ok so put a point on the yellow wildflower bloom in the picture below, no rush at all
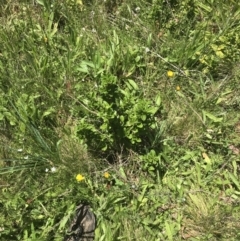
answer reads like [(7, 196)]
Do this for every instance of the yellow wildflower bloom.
[(80, 177), (106, 175), (178, 88), (170, 74)]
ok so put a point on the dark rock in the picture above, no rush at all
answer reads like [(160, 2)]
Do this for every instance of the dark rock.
[(82, 226)]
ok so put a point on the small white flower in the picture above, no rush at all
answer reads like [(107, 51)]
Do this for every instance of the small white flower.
[(137, 9), (20, 150), (147, 50), (94, 30), (26, 157), (83, 29), (53, 169), (210, 130), (46, 170)]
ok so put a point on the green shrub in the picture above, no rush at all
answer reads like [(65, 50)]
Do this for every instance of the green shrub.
[(117, 117)]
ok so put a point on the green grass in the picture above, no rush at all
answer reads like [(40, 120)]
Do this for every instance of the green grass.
[(84, 89)]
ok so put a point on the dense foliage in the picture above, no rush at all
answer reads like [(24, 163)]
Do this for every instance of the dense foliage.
[(130, 106)]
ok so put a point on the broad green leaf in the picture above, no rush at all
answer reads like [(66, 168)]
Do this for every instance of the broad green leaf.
[(124, 93), (234, 180), (153, 110), (133, 84), (122, 118), (158, 100), (206, 158), (220, 54), (48, 112), (1, 116), (169, 231), (138, 58), (84, 66), (122, 172), (83, 69), (219, 100), (143, 117)]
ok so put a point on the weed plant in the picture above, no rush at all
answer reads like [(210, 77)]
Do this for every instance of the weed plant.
[(130, 106)]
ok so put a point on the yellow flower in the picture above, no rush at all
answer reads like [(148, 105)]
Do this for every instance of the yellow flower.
[(178, 88), (80, 177), (170, 74), (106, 175), (45, 39)]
